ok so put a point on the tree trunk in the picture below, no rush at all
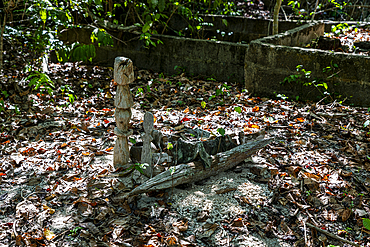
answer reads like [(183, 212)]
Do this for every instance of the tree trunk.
[(275, 29), (2, 42)]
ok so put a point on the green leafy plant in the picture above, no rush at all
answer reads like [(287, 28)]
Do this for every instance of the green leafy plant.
[(75, 230), (340, 28), (16, 110), (221, 90), (76, 52), (169, 146), (238, 109), (139, 91), (5, 93), (132, 140), (146, 37), (366, 223), (100, 36), (172, 170), (67, 89), (2, 105), (41, 81), (221, 131), (179, 69), (71, 98), (139, 167), (303, 77), (296, 7)]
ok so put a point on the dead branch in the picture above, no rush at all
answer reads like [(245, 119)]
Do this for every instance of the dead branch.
[(195, 171), (332, 235)]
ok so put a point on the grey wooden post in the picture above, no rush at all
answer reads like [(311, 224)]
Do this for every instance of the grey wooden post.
[(146, 153), (123, 76)]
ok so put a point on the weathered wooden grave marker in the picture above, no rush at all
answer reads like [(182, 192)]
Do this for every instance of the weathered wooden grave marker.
[(123, 76), (146, 153)]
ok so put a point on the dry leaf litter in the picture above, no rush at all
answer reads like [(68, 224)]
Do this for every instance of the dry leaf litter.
[(59, 188)]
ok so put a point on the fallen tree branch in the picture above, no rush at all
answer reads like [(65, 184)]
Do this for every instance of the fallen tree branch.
[(332, 235), (111, 26), (195, 171)]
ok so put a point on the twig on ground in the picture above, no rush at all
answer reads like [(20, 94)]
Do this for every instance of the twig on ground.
[(332, 235), (14, 226), (60, 234)]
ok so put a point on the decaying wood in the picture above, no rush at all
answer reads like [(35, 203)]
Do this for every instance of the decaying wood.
[(123, 76), (192, 172), (146, 153)]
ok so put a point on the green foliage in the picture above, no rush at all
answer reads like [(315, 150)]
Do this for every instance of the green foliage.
[(140, 167), (221, 90), (67, 89), (238, 109), (40, 81), (5, 93), (76, 52), (100, 36), (366, 223), (71, 98), (2, 105), (132, 140), (221, 131), (296, 7), (172, 170), (179, 69), (48, 18), (338, 5), (303, 77), (139, 91), (340, 28), (169, 146), (75, 230)]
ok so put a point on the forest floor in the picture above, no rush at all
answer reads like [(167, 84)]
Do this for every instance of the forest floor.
[(59, 186)]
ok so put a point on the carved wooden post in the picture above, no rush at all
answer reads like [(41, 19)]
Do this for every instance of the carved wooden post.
[(123, 76), (146, 153)]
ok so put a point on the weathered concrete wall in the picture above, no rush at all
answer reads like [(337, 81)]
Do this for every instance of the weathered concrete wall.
[(218, 59), (267, 64), (329, 24), (261, 65), (221, 60), (298, 36)]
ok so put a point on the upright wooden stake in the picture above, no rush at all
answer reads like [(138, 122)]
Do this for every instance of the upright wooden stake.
[(123, 76), (146, 153)]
